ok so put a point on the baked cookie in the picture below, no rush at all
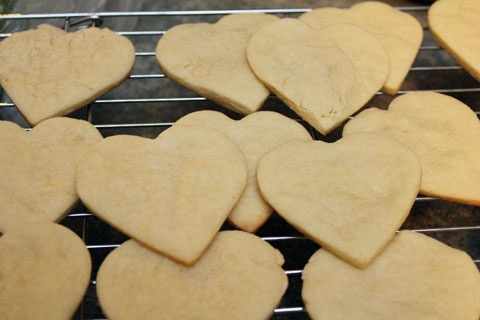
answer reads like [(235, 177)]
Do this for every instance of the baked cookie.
[(322, 74), (399, 32), (350, 196), (255, 134), (48, 72), (454, 24), (172, 193), (45, 271), (416, 277), (210, 60), (444, 132), (38, 180), (239, 277)]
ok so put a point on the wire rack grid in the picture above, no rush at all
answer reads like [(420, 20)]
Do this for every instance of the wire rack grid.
[(148, 103)]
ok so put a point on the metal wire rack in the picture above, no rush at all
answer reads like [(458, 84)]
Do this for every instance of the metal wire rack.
[(148, 103)]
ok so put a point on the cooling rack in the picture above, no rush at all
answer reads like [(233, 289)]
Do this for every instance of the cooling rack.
[(148, 103)]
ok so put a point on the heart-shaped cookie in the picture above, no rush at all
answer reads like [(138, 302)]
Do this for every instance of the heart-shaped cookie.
[(48, 72), (38, 180), (324, 75), (45, 271), (416, 278), (454, 24), (444, 132), (210, 59), (399, 33), (172, 193), (255, 134), (239, 277), (350, 196)]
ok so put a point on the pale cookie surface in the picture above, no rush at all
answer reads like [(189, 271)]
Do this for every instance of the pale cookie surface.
[(399, 33), (45, 271), (255, 134), (415, 278), (38, 180), (323, 74), (443, 131), (210, 59), (172, 193), (48, 72), (240, 277), (455, 24), (350, 196)]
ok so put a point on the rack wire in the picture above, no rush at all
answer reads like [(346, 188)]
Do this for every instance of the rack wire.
[(148, 103)]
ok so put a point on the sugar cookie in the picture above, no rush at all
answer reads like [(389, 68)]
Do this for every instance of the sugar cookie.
[(399, 33), (172, 193), (48, 72), (45, 271), (323, 74), (350, 196), (239, 277), (38, 180), (454, 24), (443, 131), (416, 277), (210, 59)]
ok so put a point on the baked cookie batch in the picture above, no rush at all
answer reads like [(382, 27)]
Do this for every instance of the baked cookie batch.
[(172, 194)]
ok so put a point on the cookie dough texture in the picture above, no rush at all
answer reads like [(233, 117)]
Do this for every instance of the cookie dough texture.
[(38, 179), (416, 277), (172, 193), (45, 271), (324, 75), (444, 132), (255, 135), (48, 72), (239, 277), (399, 33), (350, 196), (455, 25), (210, 59)]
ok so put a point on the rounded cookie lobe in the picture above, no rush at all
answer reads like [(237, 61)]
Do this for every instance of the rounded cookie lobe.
[(238, 277)]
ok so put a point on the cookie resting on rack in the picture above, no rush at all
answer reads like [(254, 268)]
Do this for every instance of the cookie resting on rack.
[(254, 134), (350, 196), (415, 278), (454, 24), (240, 276), (172, 193), (324, 75), (45, 271), (399, 32), (48, 72), (443, 131), (210, 59), (38, 180)]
